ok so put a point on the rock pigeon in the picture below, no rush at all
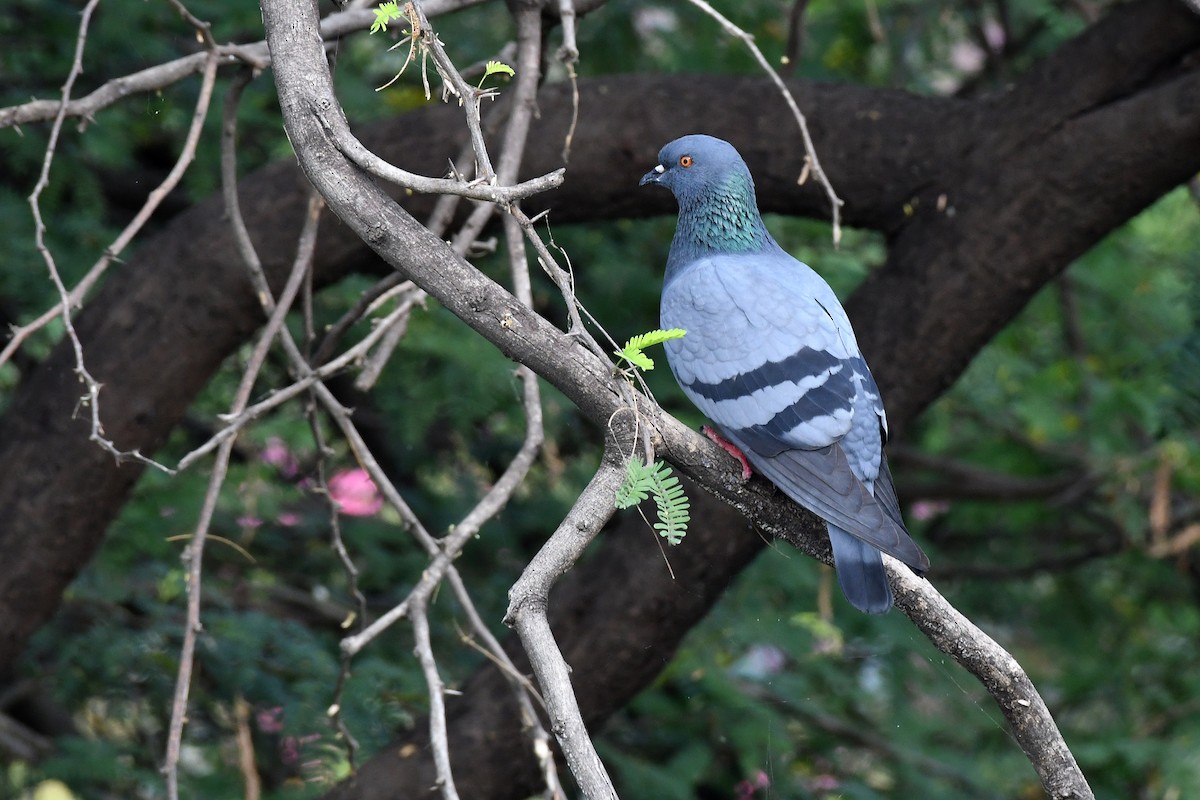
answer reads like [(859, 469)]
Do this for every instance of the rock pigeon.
[(770, 358)]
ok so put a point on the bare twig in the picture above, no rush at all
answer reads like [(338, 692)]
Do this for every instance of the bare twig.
[(359, 616), (235, 422), (389, 286), (473, 190), (569, 137), (568, 53), (437, 701), (74, 298), (812, 162), (374, 363), (68, 300), (203, 29), (1001, 675), (43, 181), (466, 529), (468, 95), (795, 37), (961, 479), (874, 23), (147, 80), (256, 55), (523, 690), (245, 750), (565, 283), (528, 19), (528, 600), (194, 552)]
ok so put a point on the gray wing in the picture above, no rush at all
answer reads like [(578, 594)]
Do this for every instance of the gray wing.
[(822, 481), (770, 358), (768, 348), (885, 492)]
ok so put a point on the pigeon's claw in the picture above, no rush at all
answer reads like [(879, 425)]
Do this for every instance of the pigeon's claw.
[(729, 447)]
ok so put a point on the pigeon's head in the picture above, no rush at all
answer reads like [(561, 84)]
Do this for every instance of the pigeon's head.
[(697, 165)]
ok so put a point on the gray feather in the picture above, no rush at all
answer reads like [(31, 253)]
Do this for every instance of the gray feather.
[(770, 357), (860, 572)]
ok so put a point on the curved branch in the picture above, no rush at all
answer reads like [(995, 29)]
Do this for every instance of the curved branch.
[(1004, 678), (305, 87), (163, 322), (526, 614), (160, 76)]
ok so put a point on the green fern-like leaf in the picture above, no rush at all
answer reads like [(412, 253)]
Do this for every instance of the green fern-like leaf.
[(651, 338), (673, 505), (642, 481), (498, 68), (385, 13), (636, 487), (632, 351)]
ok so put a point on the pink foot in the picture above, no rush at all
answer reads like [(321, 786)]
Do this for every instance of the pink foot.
[(729, 447)]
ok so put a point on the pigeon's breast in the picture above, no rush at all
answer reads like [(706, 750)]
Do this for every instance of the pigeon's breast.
[(759, 353)]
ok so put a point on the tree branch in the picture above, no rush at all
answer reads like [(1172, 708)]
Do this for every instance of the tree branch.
[(162, 323), (305, 87), (160, 76), (526, 614), (1005, 680)]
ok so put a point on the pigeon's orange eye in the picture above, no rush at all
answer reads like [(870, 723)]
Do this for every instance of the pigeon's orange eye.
[(686, 161)]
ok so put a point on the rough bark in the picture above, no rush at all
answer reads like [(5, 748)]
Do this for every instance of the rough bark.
[(1034, 176), (491, 755), (482, 306)]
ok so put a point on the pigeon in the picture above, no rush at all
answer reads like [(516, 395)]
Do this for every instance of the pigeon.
[(770, 358)]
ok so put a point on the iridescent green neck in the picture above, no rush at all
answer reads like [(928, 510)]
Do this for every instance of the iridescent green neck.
[(722, 221)]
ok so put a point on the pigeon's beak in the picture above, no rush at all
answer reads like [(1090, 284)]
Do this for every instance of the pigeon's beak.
[(653, 176)]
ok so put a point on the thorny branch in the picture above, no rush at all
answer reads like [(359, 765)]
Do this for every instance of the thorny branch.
[(812, 163), (359, 615), (257, 57), (527, 612), (69, 300), (194, 553), (353, 19), (531, 340)]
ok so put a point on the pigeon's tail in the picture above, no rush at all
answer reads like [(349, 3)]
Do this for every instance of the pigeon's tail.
[(860, 572)]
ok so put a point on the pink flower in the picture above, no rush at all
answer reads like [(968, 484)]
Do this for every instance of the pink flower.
[(249, 521), (276, 454), (925, 510), (751, 786), (824, 783), (270, 720), (288, 519), (760, 662), (355, 493)]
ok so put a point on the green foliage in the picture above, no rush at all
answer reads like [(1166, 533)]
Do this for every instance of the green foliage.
[(764, 682), (385, 13), (496, 68), (632, 351), (646, 480), (654, 480)]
